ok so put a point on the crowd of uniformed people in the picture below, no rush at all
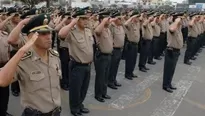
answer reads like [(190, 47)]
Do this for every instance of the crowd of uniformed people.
[(45, 50)]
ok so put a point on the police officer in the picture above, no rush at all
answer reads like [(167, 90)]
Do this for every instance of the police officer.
[(64, 52), (163, 33), (38, 71), (132, 26), (4, 58), (192, 36), (154, 49), (147, 35), (118, 35), (175, 43), (8, 28), (103, 58), (80, 42)]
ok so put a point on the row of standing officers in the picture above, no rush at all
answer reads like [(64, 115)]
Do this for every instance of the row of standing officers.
[(104, 39)]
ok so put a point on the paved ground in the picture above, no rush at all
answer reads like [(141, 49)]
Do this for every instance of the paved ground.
[(143, 96)]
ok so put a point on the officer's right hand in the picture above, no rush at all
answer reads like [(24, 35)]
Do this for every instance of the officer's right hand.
[(75, 20), (178, 20), (10, 17), (106, 19), (29, 43), (25, 21)]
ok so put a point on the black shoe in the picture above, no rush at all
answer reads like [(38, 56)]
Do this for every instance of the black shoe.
[(76, 114), (173, 88), (193, 58), (196, 54), (84, 110), (158, 58), (117, 84), (112, 86), (106, 97), (143, 70), (146, 68), (151, 62), (100, 99), (167, 89), (15, 93), (134, 76), (7, 114), (188, 63), (129, 77), (162, 54), (65, 87)]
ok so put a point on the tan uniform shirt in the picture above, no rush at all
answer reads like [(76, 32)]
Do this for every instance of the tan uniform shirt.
[(63, 43), (4, 47), (163, 26), (198, 28), (80, 45), (175, 39), (105, 41), (147, 32), (118, 34), (133, 32), (156, 30), (39, 81), (92, 25), (9, 27), (192, 31)]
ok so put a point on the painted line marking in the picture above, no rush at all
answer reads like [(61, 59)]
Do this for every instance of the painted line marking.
[(171, 103), (134, 92)]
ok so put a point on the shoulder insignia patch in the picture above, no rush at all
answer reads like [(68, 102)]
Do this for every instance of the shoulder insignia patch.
[(27, 55), (54, 52)]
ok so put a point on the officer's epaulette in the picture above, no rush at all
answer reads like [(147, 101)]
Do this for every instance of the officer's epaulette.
[(54, 52), (27, 55)]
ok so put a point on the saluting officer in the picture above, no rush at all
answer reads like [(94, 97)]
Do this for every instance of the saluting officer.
[(147, 35), (192, 36), (80, 42), (103, 58), (175, 43), (38, 71), (163, 32), (154, 47), (64, 52), (4, 58), (8, 28), (132, 26), (118, 35)]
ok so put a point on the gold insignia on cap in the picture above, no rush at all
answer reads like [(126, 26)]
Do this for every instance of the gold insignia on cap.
[(45, 21)]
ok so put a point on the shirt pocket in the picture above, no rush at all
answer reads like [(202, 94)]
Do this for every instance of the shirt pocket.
[(36, 81), (81, 43)]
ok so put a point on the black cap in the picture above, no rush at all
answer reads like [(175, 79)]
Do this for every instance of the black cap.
[(135, 12), (150, 13), (30, 12), (11, 11), (104, 13), (38, 24), (80, 13), (115, 14)]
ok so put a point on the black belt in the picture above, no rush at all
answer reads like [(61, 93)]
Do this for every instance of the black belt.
[(155, 37), (79, 63), (134, 43), (105, 54), (173, 49), (192, 37), (116, 48), (32, 112)]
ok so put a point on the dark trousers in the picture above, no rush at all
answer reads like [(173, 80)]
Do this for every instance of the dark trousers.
[(131, 58), (79, 82), (171, 58), (163, 42), (153, 51), (190, 49), (185, 33), (144, 53), (4, 98), (103, 62), (115, 61), (15, 85), (64, 57)]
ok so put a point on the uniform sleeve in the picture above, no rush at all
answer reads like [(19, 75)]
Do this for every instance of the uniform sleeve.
[(68, 37)]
